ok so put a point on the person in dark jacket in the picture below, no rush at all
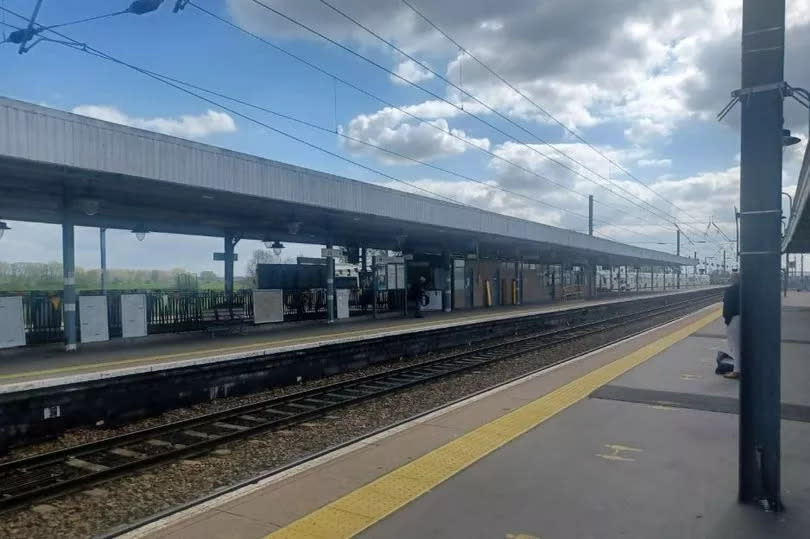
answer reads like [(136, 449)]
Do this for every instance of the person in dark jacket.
[(420, 295), (731, 316)]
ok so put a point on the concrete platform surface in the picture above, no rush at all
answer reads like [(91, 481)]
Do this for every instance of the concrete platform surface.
[(29, 367), (555, 455)]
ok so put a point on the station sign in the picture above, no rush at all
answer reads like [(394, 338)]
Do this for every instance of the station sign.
[(393, 259), (334, 253), (221, 256)]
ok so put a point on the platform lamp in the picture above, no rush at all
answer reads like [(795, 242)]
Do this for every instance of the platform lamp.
[(140, 232), (3, 228), (276, 246)]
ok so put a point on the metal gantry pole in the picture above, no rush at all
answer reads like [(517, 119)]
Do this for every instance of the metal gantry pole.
[(374, 286), (330, 285), (763, 40), (678, 252), (69, 292), (102, 243), (448, 282), (229, 245)]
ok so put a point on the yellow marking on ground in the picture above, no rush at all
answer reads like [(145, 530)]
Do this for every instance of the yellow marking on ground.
[(202, 352), (520, 536), (360, 509), (689, 376), (616, 452)]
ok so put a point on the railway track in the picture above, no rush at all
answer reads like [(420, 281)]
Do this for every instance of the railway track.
[(74, 468)]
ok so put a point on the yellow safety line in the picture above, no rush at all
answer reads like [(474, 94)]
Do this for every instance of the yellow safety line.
[(254, 346), (358, 510)]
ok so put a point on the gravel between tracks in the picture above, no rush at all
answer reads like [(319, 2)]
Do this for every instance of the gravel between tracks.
[(129, 499)]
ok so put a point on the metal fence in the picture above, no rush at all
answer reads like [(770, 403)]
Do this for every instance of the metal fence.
[(172, 311)]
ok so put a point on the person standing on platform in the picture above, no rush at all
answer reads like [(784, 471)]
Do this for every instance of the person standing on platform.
[(420, 294), (731, 316)]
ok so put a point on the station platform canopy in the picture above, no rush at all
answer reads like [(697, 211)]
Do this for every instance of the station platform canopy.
[(114, 176), (797, 234)]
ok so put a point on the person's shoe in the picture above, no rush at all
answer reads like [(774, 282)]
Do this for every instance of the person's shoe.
[(732, 375)]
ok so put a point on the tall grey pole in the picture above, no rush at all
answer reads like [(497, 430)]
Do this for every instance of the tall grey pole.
[(763, 41), (678, 252), (229, 245), (591, 267), (787, 273), (69, 293), (102, 243), (330, 285), (374, 286), (448, 282)]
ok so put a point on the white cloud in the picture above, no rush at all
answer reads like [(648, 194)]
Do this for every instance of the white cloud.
[(411, 71), (389, 129), (649, 66), (185, 126), (657, 163)]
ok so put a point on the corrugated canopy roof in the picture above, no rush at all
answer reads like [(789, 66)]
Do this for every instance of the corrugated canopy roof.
[(51, 160)]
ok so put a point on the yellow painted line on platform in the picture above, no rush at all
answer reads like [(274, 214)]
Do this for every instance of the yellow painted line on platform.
[(360, 509), (257, 346)]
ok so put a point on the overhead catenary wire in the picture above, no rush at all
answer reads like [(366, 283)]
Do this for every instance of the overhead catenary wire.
[(176, 83), (474, 98), (391, 152), (76, 45), (385, 102), (536, 105), (439, 97)]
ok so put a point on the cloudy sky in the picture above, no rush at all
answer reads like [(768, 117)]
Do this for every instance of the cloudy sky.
[(622, 96)]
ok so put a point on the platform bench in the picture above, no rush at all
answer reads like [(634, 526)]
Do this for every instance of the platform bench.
[(225, 319)]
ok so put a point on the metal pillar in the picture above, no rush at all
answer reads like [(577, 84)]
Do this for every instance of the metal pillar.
[(405, 290), (69, 293), (364, 258), (590, 215), (638, 268), (447, 296), (374, 286), (787, 273), (763, 39), (102, 243), (230, 243), (517, 284), (678, 252), (330, 286), (652, 278)]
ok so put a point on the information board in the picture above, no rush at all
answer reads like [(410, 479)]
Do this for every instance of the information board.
[(133, 315), (434, 300), (268, 306), (342, 297), (12, 326), (400, 276), (93, 317), (391, 276)]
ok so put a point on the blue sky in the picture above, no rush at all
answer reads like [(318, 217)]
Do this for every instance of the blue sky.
[(641, 84)]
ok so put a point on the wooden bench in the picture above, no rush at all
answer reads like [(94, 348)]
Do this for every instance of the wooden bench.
[(225, 319)]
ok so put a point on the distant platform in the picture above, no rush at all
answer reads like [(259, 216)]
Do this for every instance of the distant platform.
[(47, 365), (636, 440)]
